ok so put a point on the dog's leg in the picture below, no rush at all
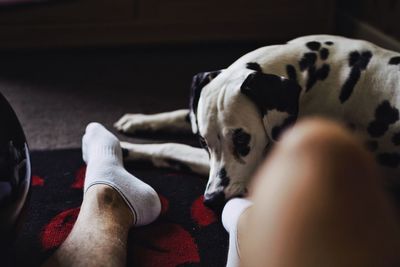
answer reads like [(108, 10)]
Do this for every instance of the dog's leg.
[(174, 121), (169, 155)]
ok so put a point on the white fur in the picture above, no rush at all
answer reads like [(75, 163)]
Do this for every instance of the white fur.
[(171, 121), (223, 108), (161, 155)]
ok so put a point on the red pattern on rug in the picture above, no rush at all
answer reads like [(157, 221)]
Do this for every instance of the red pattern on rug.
[(57, 230), (159, 244), (79, 178), (37, 181), (163, 244), (201, 214), (187, 234)]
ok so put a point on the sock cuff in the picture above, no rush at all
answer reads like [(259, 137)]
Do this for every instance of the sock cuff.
[(113, 185), (230, 217)]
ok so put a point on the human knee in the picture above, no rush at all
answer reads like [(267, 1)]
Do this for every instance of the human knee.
[(326, 139), (323, 148), (313, 132)]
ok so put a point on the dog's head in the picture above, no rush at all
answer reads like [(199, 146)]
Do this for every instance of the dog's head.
[(237, 114)]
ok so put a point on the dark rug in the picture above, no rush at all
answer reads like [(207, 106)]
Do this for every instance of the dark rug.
[(186, 234)]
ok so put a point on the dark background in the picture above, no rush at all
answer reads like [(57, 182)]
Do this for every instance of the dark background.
[(382, 14), (66, 63)]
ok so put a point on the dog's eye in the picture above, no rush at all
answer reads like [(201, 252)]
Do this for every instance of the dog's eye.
[(241, 141), (203, 142)]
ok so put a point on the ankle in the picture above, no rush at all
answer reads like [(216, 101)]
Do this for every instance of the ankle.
[(107, 202)]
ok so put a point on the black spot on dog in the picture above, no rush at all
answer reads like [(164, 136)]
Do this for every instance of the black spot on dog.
[(323, 72), (329, 43), (394, 61), (315, 46), (308, 60), (385, 115), (324, 53), (291, 72), (216, 202), (312, 78), (357, 62), (269, 92), (225, 180), (396, 139), (198, 82), (203, 143), (254, 66), (353, 58), (177, 165), (347, 88), (372, 145), (316, 74), (391, 160), (241, 140), (360, 60)]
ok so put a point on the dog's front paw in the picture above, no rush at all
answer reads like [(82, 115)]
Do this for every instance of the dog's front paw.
[(132, 123)]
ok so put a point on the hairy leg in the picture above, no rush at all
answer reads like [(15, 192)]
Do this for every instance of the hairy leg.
[(100, 234), (319, 201), (114, 200)]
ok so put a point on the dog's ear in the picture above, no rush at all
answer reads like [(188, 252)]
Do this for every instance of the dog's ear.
[(198, 82), (276, 97)]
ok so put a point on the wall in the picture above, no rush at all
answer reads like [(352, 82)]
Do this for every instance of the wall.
[(382, 14)]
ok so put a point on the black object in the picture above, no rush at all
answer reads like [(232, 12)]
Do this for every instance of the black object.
[(15, 175)]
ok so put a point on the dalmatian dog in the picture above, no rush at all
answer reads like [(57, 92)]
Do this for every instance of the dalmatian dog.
[(239, 112)]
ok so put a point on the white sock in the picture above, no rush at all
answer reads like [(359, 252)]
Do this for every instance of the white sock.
[(230, 217), (103, 155)]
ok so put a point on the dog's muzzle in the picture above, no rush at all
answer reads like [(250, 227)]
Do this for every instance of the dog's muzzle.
[(215, 201)]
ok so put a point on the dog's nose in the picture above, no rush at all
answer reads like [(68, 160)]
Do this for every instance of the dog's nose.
[(215, 201)]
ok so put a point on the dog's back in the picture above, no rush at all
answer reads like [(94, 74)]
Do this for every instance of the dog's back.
[(353, 81)]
